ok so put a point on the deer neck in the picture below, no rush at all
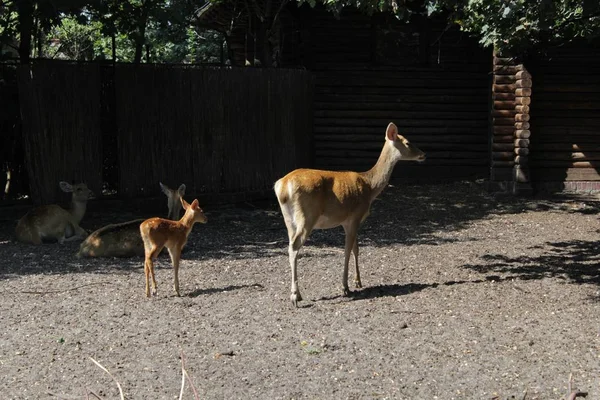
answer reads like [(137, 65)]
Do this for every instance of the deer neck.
[(379, 176), (188, 222), (78, 210)]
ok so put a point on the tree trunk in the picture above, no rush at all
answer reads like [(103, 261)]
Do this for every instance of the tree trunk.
[(25, 10), (113, 43), (140, 35)]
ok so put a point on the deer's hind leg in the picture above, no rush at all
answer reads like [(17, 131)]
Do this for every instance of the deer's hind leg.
[(150, 256), (304, 224)]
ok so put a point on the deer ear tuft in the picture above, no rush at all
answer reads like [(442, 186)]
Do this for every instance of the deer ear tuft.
[(165, 189), (391, 133), (65, 186)]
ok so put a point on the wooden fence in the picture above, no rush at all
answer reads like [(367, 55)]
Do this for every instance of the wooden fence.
[(60, 118), (430, 80), (216, 130), (565, 115)]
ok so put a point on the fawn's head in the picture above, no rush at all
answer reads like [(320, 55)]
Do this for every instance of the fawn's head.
[(194, 210), (405, 151), (173, 200), (80, 192)]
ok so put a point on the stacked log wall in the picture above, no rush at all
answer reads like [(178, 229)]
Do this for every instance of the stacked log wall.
[(511, 99), (432, 81)]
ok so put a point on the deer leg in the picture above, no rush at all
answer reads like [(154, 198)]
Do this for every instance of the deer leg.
[(175, 256), (150, 258), (350, 244), (295, 244), (147, 262), (357, 282)]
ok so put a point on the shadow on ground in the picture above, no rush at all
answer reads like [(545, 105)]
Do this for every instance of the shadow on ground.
[(403, 214), (575, 261)]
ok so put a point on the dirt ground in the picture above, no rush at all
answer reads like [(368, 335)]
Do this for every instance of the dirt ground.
[(466, 296)]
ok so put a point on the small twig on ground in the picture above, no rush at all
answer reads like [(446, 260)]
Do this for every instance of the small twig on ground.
[(183, 375), (111, 375), (62, 397), (95, 395), (572, 394), (62, 290)]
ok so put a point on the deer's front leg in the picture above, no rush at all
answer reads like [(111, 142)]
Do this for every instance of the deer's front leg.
[(351, 242), (175, 257), (357, 282)]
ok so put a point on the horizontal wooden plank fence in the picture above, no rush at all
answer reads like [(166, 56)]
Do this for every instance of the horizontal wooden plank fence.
[(431, 81), (565, 115)]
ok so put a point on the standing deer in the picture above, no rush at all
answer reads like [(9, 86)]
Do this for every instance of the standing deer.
[(54, 223), (315, 199), (124, 240), (158, 233)]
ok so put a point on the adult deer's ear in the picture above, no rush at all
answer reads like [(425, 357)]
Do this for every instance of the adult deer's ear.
[(164, 188), (391, 133), (65, 186)]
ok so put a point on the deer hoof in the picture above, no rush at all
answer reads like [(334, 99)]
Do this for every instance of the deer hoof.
[(346, 292), (295, 297), (358, 284)]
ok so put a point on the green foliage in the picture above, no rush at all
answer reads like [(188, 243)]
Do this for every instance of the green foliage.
[(520, 26), (509, 25), (73, 40)]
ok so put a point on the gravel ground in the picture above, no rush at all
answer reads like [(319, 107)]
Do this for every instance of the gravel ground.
[(466, 296)]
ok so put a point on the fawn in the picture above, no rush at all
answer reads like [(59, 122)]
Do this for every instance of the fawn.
[(54, 223), (158, 233), (315, 199), (124, 240)]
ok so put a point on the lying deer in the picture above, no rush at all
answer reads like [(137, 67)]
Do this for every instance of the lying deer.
[(173, 200), (124, 240), (314, 199), (158, 233), (54, 223)]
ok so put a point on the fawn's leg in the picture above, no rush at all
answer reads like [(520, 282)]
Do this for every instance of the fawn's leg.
[(175, 254), (151, 256)]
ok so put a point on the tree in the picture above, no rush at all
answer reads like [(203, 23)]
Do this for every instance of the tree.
[(521, 26)]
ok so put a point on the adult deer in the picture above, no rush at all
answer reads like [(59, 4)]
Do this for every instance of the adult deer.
[(54, 223), (158, 233), (124, 240), (315, 199)]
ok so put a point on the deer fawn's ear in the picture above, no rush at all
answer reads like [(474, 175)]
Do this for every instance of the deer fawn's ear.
[(181, 189), (184, 203), (65, 186), (391, 132), (195, 204)]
